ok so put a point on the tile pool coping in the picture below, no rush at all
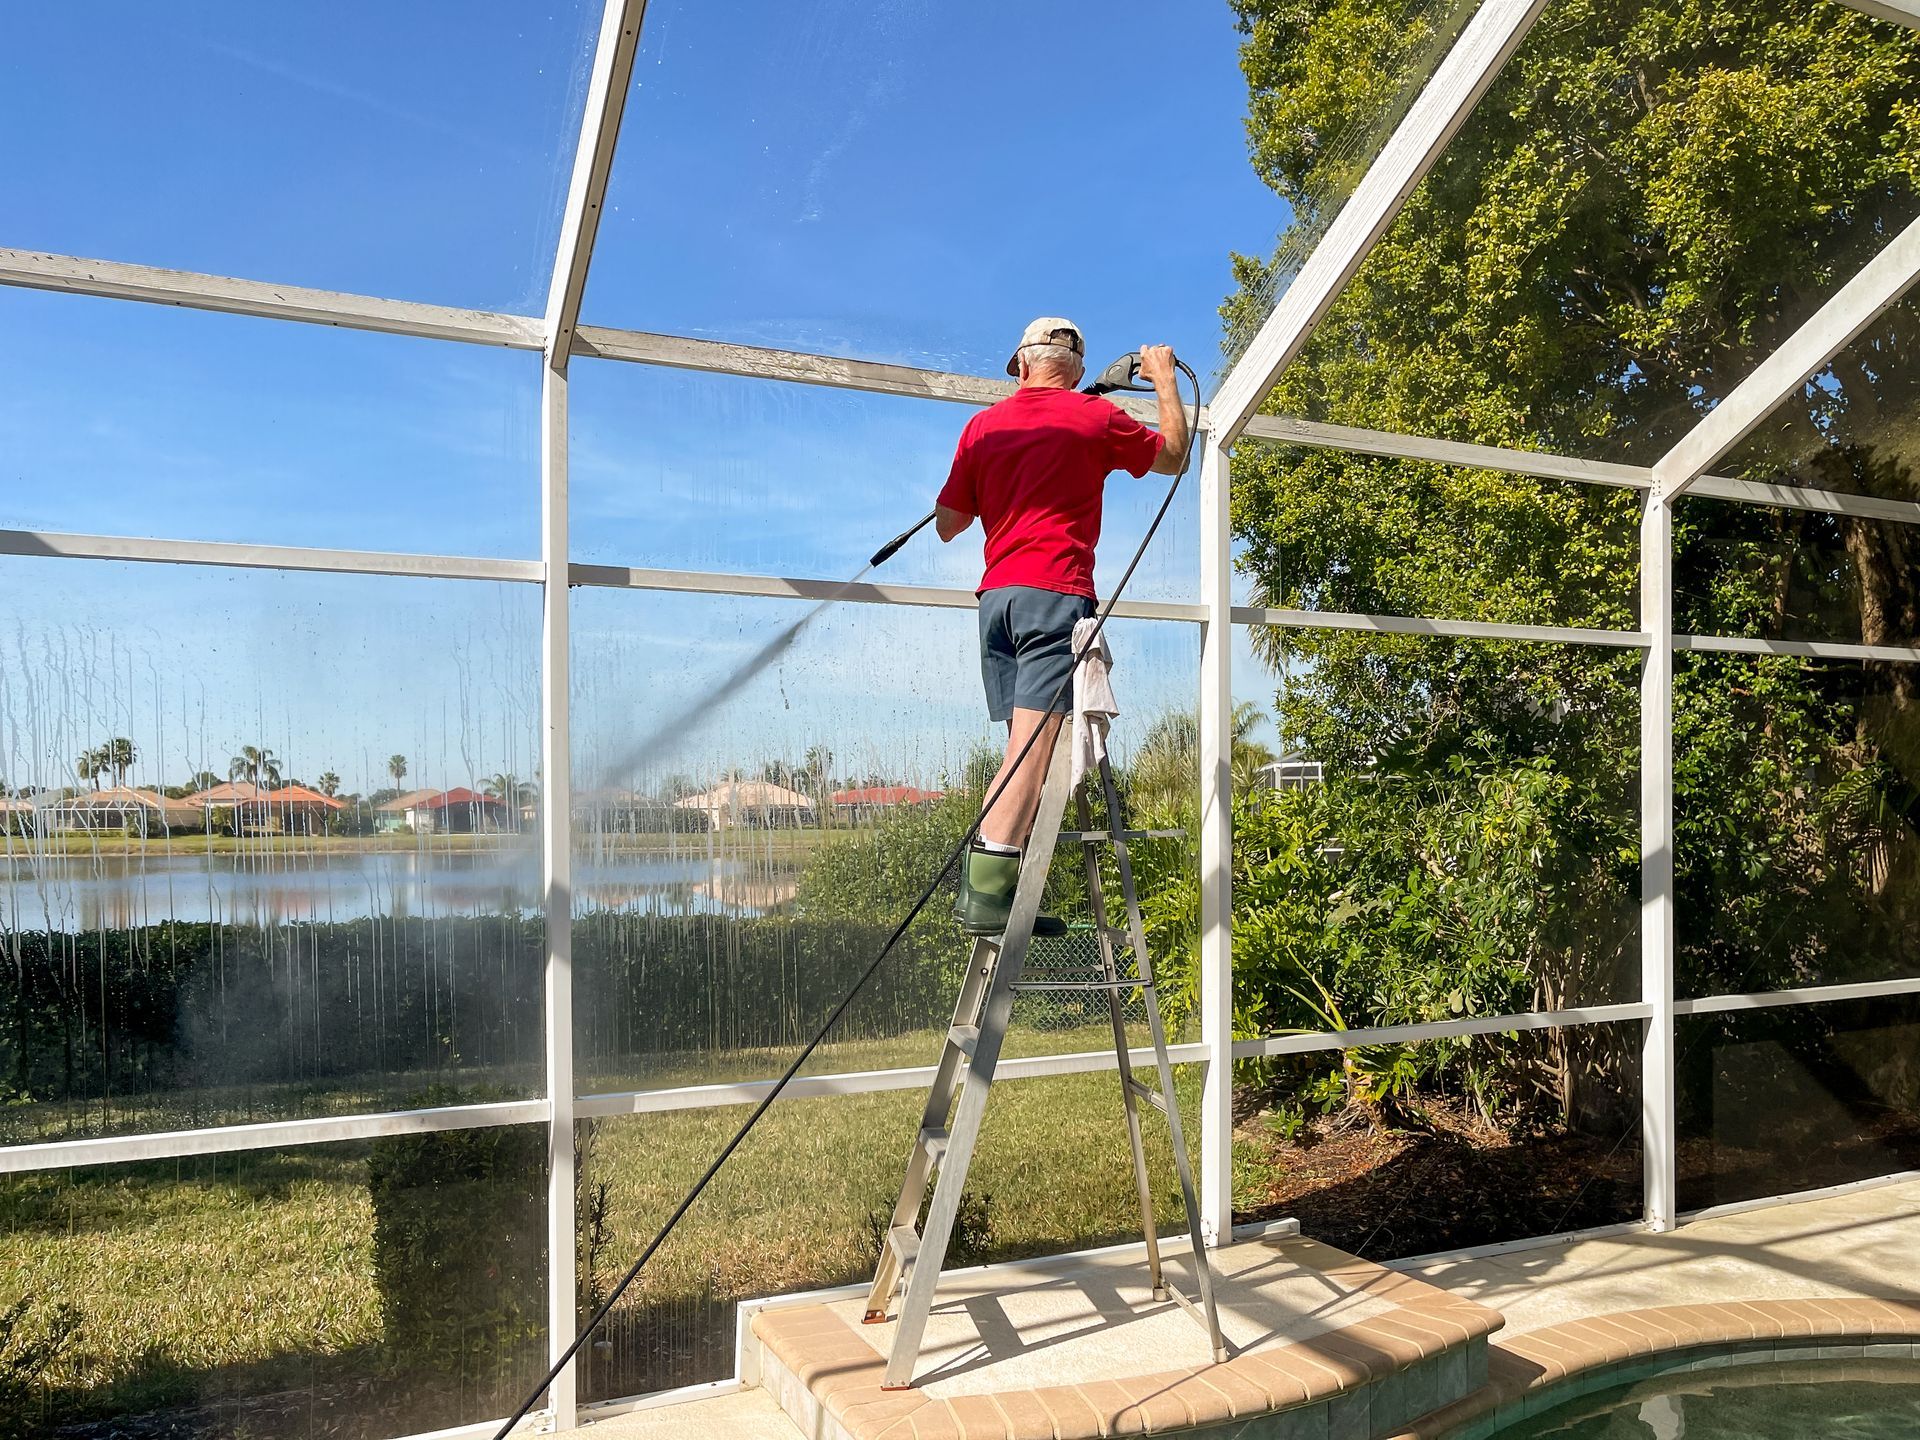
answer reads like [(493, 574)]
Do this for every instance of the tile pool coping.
[(1542, 1368), (1426, 1346)]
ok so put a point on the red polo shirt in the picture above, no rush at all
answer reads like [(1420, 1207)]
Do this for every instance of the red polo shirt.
[(1032, 468)]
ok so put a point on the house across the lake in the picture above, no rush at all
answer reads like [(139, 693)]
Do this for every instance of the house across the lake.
[(119, 807), (869, 802), (250, 809), (458, 811), (403, 812), (754, 804)]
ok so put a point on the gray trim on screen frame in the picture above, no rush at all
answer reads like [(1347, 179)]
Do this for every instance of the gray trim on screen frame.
[(270, 1135), (190, 290)]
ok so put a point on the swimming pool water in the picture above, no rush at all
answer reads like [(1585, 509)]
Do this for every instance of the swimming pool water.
[(1795, 1400)]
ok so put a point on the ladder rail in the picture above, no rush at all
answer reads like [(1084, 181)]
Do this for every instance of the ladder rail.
[(943, 1149), (923, 1279), (1156, 1027), (1096, 897)]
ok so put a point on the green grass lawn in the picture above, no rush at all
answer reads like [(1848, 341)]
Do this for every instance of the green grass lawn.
[(240, 1275)]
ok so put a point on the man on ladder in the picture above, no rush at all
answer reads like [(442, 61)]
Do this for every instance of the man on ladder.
[(1032, 468)]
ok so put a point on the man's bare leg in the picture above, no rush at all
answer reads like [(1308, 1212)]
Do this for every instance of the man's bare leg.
[(1010, 819)]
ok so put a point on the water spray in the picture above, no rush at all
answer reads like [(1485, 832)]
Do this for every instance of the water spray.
[(1123, 374)]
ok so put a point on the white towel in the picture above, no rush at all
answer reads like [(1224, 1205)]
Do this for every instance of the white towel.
[(1093, 704)]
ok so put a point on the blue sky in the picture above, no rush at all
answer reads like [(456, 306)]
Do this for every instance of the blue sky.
[(896, 181)]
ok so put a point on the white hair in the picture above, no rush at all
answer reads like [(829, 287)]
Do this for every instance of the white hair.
[(1058, 360)]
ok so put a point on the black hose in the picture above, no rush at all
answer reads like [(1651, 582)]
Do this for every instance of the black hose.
[(933, 886)]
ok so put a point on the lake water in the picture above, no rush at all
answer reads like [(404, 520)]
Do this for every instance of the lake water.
[(78, 893)]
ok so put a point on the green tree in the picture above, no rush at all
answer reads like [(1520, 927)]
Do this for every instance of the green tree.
[(397, 768), (92, 764), (256, 765), (329, 784), (120, 753)]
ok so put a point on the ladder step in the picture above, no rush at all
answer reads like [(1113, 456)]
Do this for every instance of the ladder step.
[(964, 1038), (904, 1241), (1119, 935), (1101, 985), (934, 1140), (1100, 837), (1151, 1096)]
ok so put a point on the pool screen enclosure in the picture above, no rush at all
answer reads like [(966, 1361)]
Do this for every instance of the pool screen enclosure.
[(275, 998)]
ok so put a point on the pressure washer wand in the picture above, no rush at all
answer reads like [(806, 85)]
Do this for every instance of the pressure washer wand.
[(885, 552)]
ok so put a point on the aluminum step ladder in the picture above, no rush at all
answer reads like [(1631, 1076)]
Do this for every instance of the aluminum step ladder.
[(995, 975)]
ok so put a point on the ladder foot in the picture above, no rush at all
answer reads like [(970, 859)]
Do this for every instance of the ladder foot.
[(874, 1317), (903, 1385), (1219, 1354), (1160, 1294)]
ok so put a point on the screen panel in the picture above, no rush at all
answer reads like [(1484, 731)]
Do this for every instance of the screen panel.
[(1796, 1097), (803, 1202), (358, 1290), (745, 840), (1796, 838), (420, 153), (269, 846), (1373, 535), (123, 419), (914, 184), (1769, 573), (683, 470), (1393, 1150), (1447, 828)]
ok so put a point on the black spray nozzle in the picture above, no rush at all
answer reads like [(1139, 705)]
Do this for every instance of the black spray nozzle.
[(886, 551), (1122, 374)]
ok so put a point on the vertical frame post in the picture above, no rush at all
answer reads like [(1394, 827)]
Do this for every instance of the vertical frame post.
[(556, 866), (1216, 844), (607, 86), (1658, 1140)]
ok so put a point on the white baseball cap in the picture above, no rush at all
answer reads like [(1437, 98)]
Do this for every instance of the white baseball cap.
[(1047, 330)]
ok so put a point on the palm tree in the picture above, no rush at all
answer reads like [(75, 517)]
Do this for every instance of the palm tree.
[(329, 784), (120, 753), (92, 764), (255, 765), (508, 787), (1166, 771), (397, 767)]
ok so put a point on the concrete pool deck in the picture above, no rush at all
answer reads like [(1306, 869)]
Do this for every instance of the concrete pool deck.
[(1840, 1268)]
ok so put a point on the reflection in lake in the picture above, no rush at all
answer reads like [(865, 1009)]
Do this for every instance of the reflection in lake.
[(265, 886)]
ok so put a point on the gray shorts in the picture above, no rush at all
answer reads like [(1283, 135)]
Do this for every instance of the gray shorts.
[(1026, 648)]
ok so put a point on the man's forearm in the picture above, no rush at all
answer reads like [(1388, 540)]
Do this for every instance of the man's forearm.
[(1173, 425)]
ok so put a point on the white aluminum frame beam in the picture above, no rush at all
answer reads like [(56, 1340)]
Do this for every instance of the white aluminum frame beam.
[(1216, 842), (1894, 12), (265, 557), (1659, 1134), (860, 1082), (611, 78), (607, 89), (1489, 40), (271, 1135), (113, 279), (1455, 629), (1804, 354), (1286, 430), (1310, 1041)]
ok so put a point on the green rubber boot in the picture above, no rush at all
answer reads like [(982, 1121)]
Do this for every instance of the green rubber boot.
[(988, 879)]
